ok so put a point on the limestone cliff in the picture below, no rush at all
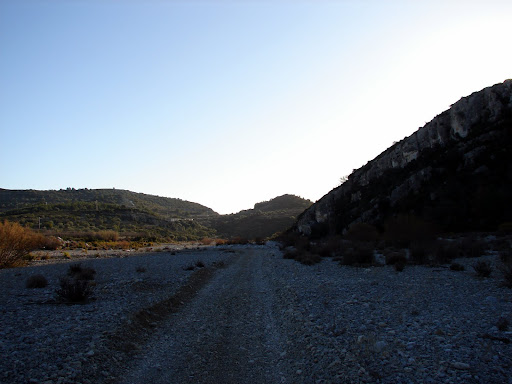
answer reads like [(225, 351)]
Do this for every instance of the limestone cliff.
[(466, 144)]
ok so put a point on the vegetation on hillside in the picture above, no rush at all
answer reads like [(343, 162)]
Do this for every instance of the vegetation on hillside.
[(77, 213), (266, 219)]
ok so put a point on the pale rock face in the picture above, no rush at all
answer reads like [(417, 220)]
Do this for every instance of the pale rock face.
[(455, 124)]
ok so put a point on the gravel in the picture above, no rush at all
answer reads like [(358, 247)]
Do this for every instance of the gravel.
[(259, 319)]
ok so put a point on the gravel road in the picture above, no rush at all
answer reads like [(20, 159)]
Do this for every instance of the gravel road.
[(250, 316)]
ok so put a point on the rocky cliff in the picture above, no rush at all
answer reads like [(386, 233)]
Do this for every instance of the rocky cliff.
[(453, 170)]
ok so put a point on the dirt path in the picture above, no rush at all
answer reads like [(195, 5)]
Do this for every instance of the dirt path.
[(232, 332)]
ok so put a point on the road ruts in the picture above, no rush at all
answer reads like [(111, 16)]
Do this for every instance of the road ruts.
[(232, 332)]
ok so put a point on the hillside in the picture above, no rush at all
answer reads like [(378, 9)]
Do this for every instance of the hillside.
[(73, 211), (454, 173), (264, 220)]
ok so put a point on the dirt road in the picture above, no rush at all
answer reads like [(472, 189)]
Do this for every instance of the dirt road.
[(234, 331)]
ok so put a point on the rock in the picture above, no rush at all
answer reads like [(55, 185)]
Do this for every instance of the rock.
[(380, 345), (483, 110), (459, 365)]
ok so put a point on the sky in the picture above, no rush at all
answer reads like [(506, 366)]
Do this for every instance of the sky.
[(230, 103)]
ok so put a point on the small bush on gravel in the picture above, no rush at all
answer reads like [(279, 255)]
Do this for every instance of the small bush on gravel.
[(472, 246), (199, 264), (482, 268), (140, 269), (36, 281), (400, 265), (456, 267), (307, 258), (358, 254), (330, 247), (506, 270), (506, 256), (445, 251), (502, 324), (393, 257), (77, 285), (78, 272), (362, 232), (74, 290)]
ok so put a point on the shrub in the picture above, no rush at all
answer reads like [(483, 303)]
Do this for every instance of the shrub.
[(362, 232), (66, 255), (199, 264), (307, 258), (51, 243), (482, 268), (400, 265), (359, 254), (328, 248), (506, 270), (108, 235), (395, 257), (78, 272), (140, 269), (15, 242), (445, 251), (506, 256), (419, 251), (74, 290), (472, 247), (36, 281), (403, 230), (457, 267), (502, 324)]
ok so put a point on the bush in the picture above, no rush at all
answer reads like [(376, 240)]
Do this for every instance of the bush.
[(307, 258), (362, 232), (74, 290), (76, 286), (457, 267), (80, 273), (445, 251), (394, 257), (359, 254), (502, 324), (400, 265), (15, 242), (506, 270), (108, 235), (328, 248), (140, 269), (36, 281), (403, 230), (483, 268), (52, 243), (472, 247)]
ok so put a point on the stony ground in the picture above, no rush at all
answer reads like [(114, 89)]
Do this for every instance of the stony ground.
[(256, 318)]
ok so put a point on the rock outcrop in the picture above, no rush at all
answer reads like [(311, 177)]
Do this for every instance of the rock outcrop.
[(468, 143)]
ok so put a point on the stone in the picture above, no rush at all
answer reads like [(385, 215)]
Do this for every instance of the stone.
[(459, 365), (380, 345)]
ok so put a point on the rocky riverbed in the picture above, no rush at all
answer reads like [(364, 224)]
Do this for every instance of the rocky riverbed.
[(257, 318)]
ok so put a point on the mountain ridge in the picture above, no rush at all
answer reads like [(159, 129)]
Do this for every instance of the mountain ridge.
[(456, 143), (150, 216)]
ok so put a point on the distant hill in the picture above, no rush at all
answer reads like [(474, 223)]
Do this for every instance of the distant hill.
[(72, 211), (454, 173), (266, 219)]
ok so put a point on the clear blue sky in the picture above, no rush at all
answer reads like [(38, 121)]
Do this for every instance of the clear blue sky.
[(228, 103)]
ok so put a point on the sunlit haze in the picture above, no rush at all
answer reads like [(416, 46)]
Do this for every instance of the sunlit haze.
[(230, 103)]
